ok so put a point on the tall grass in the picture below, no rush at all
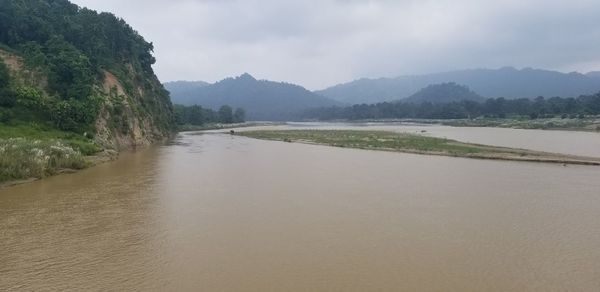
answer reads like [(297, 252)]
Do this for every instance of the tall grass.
[(22, 158)]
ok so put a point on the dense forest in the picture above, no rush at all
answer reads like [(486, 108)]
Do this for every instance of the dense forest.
[(444, 93), (495, 107), (56, 57), (197, 116)]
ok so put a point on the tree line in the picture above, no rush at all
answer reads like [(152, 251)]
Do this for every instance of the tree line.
[(539, 107), (198, 116)]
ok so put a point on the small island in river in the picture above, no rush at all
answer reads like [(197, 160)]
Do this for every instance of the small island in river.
[(413, 143)]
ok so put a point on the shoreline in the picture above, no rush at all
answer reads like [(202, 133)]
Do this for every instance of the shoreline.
[(497, 153), (108, 155), (209, 127), (370, 140), (590, 125), (92, 160)]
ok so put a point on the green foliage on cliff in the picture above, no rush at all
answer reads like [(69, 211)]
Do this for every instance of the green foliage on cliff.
[(196, 115), (66, 51)]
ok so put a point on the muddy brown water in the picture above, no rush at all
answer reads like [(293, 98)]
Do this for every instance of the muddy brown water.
[(214, 212)]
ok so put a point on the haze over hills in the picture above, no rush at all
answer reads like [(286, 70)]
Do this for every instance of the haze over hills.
[(505, 82), (444, 93), (261, 99), (594, 74), (183, 88)]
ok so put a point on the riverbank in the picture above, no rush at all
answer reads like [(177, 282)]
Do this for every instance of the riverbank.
[(208, 127), (417, 144), (32, 152), (586, 124), (591, 124), (25, 160)]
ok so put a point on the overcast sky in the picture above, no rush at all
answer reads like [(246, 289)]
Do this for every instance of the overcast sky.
[(318, 43)]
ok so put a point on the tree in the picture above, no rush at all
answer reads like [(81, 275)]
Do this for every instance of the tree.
[(239, 116), (225, 114), (195, 115), (71, 74), (493, 107), (7, 97)]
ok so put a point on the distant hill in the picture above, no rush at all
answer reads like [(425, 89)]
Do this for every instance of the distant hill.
[(182, 88), (593, 74), (261, 99), (444, 93), (506, 82)]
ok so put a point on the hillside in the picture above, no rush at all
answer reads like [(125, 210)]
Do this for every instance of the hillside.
[(73, 70), (506, 82), (444, 93), (76, 86), (184, 88), (261, 99)]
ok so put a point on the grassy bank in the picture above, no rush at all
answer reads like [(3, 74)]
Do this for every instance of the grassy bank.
[(23, 158), (410, 143), (29, 151)]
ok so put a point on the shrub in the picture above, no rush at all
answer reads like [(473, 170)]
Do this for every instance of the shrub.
[(5, 115), (25, 158)]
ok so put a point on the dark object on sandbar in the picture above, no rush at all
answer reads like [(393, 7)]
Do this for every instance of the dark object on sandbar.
[(232, 132)]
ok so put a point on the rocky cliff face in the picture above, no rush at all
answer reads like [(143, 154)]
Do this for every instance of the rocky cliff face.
[(135, 110), (71, 69), (124, 121)]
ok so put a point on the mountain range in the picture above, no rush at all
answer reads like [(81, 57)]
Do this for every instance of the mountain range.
[(505, 82), (261, 99), (268, 100)]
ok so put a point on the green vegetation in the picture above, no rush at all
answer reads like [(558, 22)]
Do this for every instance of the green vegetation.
[(72, 82), (36, 151), (261, 99), (24, 158), (444, 93), (564, 108), (410, 143), (34, 131), (60, 54), (196, 115)]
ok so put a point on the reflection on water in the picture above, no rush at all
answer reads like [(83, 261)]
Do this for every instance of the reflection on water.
[(218, 212)]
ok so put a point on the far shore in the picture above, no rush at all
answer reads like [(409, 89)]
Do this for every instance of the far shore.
[(588, 124), (208, 127)]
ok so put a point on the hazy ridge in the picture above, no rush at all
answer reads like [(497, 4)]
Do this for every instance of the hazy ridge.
[(261, 99), (505, 82)]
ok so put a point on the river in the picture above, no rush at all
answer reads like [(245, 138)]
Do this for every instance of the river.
[(214, 212)]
